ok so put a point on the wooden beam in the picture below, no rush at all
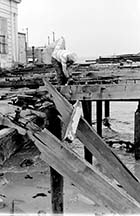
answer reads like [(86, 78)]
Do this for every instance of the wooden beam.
[(107, 109), (113, 92), (110, 163), (99, 117), (137, 133), (87, 178), (74, 121), (87, 112), (56, 179), (124, 91)]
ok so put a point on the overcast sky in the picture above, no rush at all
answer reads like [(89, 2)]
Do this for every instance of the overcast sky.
[(90, 27)]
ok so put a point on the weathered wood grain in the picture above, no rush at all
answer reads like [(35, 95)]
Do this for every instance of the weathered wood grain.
[(74, 121), (116, 92), (110, 163), (87, 178)]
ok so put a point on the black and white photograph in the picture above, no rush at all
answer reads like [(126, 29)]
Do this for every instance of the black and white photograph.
[(69, 107)]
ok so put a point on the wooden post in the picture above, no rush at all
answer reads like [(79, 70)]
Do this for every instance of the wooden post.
[(56, 191), (107, 109), (87, 111), (13, 208), (56, 179), (99, 117), (33, 54), (107, 114), (137, 133)]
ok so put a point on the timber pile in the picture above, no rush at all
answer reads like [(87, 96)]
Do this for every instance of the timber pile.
[(19, 111), (32, 77), (21, 83)]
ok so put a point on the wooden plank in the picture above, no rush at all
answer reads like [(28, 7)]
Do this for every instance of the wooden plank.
[(74, 121), (86, 177), (110, 163), (21, 83), (5, 121), (123, 91)]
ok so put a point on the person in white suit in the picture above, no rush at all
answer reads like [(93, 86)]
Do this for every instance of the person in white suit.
[(62, 60)]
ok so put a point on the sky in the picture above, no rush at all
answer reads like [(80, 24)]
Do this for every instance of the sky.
[(91, 28)]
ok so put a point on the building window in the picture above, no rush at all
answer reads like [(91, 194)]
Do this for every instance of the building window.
[(3, 44), (3, 36)]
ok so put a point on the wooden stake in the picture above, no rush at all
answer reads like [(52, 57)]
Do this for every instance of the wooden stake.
[(137, 133), (107, 109), (56, 191), (87, 111), (99, 117), (55, 178), (13, 208)]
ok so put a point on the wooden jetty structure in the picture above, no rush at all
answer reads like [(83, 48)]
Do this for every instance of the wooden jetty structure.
[(25, 112)]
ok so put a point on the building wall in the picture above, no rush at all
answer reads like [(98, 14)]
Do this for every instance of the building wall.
[(41, 54), (22, 48), (46, 54), (8, 23)]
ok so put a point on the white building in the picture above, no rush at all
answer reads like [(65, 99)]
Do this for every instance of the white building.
[(8, 32), (22, 48)]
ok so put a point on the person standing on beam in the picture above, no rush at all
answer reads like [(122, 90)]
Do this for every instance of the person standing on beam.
[(62, 60)]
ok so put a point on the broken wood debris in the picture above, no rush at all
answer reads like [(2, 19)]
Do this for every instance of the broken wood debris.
[(60, 158), (90, 181), (79, 177), (105, 156), (20, 83), (74, 121)]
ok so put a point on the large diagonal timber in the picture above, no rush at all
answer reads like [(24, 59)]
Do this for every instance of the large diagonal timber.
[(88, 179), (108, 160)]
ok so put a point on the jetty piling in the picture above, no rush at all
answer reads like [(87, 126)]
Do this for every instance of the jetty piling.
[(56, 179), (107, 109), (137, 132), (57, 184), (87, 112), (99, 116)]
